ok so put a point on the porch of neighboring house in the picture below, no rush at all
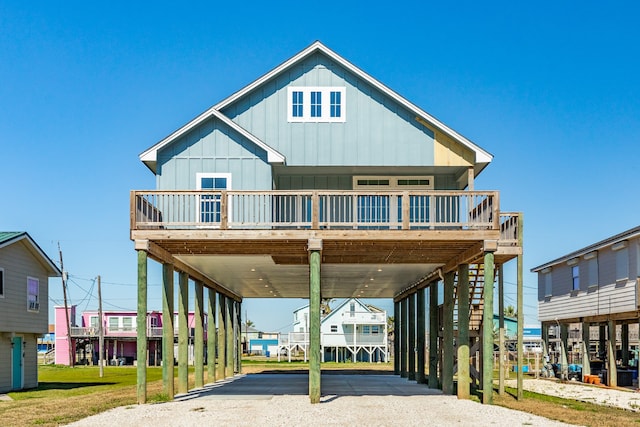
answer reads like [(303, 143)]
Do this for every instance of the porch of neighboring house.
[(305, 244)]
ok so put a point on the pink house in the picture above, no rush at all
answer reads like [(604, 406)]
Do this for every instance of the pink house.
[(120, 335)]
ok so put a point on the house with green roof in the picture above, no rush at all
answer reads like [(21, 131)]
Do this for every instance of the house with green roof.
[(24, 274)]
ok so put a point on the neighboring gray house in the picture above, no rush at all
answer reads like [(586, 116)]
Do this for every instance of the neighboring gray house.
[(594, 287), (24, 275)]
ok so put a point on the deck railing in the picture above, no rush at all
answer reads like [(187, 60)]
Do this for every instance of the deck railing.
[(400, 210)]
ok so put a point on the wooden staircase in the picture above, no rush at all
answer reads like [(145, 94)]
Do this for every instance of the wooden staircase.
[(476, 299)]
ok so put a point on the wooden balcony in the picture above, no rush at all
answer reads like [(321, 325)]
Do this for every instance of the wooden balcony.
[(400, 237), (315, 210)]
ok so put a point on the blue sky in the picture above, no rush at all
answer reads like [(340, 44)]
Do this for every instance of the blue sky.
[(552, 89)]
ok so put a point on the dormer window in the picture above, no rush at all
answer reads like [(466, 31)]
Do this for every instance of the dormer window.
[(316, 104)]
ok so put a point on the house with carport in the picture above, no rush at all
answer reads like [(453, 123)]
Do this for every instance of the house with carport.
[(314, 181)]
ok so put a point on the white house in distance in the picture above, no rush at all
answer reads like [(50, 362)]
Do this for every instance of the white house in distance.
[(352, 331)]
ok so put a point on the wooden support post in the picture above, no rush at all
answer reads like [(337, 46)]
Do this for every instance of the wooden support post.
[(396, 338), (167, 331), (464, 378), (230, 347), (487, 330), (314, 324), (211, 336), (520, 309), (198, 346), (433, 335), (564, 338), (222, 337), (586, 359), (238, 328), (141, 325), (602, 341), (501, 331), (624, 336), (447, 335), (420, 336), (411, 343), (612, 370), (183, 333), (404, 318)]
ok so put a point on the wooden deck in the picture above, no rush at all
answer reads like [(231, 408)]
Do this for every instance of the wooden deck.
[(409, 234)]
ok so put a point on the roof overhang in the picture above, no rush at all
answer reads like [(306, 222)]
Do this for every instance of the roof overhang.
[(150, 156), (32, 246), (629, 234)]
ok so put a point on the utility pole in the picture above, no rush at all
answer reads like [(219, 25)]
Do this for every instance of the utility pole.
[(100, 331), (66, 307)]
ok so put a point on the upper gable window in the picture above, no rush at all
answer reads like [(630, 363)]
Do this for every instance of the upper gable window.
[(316, 104)]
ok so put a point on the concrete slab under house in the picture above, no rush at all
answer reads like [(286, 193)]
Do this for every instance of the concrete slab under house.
[(318, 181)]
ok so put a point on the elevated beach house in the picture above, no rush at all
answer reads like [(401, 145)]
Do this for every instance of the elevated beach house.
[(594, 294), (353, 331), (24, 308), (317, 180)]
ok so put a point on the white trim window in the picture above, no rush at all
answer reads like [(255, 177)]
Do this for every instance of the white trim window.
[(209, 207), (33, 294), (316, 104), (1, 282)]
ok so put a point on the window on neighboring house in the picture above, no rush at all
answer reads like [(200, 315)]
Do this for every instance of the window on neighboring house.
[(366, 329), (352, 309), (1, 282), (334, 328), (622, 262), (93, 323), (127, 323), (114, 324), (375, 329), (592, 270), (316, 104), (575, 275), (33, 294), (547, 284)]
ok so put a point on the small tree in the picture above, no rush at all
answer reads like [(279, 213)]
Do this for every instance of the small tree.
[(325, 308), (510, 311)]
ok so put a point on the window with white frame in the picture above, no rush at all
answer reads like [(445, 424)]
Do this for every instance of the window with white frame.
[(366, 329), (114, 324), (1, 282), (209, 207), (375, 329), (33, 294), (316, 104), (622, 261), (334, 328)]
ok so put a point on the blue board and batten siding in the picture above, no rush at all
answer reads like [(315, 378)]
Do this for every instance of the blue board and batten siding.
[(213, 147), (378, 133)]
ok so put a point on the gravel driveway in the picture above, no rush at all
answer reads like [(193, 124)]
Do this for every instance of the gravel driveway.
[(278, 400)]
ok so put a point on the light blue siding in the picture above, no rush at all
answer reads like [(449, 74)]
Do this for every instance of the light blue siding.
[(377, 131), (213, 147)]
